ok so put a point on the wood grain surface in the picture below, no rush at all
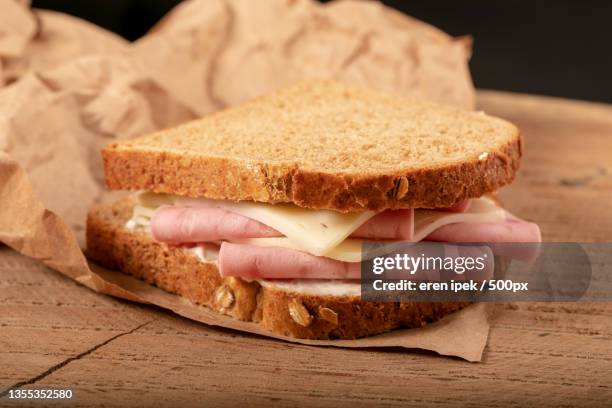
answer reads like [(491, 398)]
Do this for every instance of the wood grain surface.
[(56, 334)]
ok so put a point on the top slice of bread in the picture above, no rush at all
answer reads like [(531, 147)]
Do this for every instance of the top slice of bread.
[(322, 144)]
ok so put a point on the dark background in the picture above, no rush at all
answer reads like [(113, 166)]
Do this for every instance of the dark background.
[(560, 48)]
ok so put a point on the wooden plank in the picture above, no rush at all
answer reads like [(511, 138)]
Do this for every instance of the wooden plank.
[(47, 318), (114, 353), (567, 164)]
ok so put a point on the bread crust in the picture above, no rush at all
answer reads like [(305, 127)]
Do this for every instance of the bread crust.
[(162, 172), (280, 311)]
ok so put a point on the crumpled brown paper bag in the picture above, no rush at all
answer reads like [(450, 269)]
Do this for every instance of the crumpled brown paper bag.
[(69, 88), (217, 53)]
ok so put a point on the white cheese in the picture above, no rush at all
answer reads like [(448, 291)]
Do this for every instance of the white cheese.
[(205, 252)]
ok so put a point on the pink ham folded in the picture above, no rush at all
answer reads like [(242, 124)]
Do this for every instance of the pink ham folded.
[(513, 229), (202, 224), (255, 262), (177, 224), (513, 238), (250, 261)]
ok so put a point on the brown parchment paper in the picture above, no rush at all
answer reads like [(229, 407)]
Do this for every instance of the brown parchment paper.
[(67, 88)]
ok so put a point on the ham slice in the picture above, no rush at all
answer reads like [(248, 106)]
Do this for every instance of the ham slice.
[(513, 229), (514, 238), (255, 262), (185, 224), (251, 261), (178, 224)]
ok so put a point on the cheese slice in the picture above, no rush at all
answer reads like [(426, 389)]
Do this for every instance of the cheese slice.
[(141, 211), (314, 231)]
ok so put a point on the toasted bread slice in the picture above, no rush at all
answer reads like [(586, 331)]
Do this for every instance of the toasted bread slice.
[(321, 144), (286, 309)]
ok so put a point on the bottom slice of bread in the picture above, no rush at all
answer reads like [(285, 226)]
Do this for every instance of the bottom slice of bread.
[(278, 308)]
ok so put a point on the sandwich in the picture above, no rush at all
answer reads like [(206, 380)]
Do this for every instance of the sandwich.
[(260, 211)]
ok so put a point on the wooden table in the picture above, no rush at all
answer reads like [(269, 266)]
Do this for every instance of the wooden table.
[(55, 333)]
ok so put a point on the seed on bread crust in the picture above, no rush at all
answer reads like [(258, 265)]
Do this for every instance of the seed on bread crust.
[(299, 313), (328, 315), (224, 297), (401, 188)]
